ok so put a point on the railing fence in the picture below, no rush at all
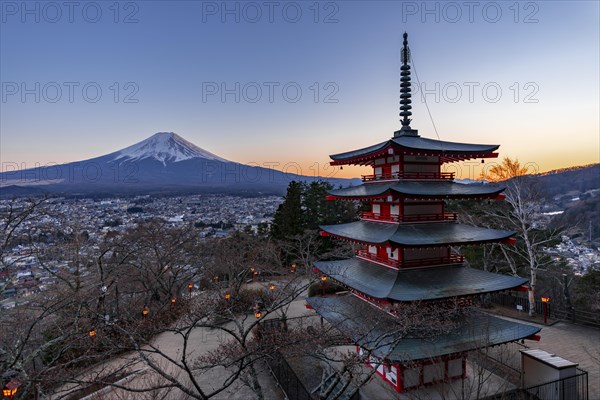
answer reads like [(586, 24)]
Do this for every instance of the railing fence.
[(573, 315)]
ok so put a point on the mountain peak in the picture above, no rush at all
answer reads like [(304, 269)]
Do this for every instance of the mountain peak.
[(165, 147)]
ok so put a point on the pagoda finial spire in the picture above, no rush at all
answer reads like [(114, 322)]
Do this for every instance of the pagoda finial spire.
[(405, 91)]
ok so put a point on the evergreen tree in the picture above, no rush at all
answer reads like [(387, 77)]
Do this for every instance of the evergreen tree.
[(320, 211), (314, 203), (288, 220)]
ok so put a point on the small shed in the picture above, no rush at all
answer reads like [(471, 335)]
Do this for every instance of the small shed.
[(539, 367)]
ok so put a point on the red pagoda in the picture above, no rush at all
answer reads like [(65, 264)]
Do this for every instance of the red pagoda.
[(407, 258)]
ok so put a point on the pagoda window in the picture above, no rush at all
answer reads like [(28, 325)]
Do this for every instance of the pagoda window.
[(418, 167), (455, 368), (380, 369), (394, 209), (393, 253), (373, 361), (372, 249), (380, 161), (394, 159), (416, 209), (434, 372), (425, 253), (395, 168), (412, 376), (378, 171), (376, 208), (392, 375)]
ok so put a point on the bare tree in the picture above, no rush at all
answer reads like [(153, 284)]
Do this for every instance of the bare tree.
[(16, 223), (522, 216)]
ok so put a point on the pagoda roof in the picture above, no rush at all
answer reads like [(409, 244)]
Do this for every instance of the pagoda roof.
[(387, 337), (426, 283), (416, 189), (409, 144), (416, 235)]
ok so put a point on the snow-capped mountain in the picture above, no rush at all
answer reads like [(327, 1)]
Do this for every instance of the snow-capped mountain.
[(164, 163), (165, 147)]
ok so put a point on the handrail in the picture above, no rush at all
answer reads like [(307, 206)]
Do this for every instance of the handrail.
[(452, 259), (380, 217), (408, 175), (409, 218), (364, 254)]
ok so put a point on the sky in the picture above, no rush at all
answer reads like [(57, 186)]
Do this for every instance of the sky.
[(286, 83)]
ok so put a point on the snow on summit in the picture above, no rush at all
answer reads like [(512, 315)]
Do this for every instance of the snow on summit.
[(165, 147)]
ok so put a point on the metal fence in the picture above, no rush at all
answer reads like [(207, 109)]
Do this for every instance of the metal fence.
[(572, 388), (578, 316), (509, 300), (573, 315)]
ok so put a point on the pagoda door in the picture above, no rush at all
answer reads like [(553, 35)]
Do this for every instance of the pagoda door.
[(387, 171), (384, 211), (382, 253)]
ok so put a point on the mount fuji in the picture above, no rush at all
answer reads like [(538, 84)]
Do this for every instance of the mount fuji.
[(164, 163), (165, 147)]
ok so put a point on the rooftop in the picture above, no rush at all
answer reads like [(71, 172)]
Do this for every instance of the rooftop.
[(387, 338), (415, 189), (416, 235), (430, 283)]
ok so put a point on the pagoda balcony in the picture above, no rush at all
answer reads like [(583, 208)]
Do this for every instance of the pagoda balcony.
[(371, 216), (425, 262), (408, 175), (447, 216), (391, 218), (365, 255)]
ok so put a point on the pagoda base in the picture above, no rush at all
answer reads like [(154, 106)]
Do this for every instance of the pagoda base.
[(419, 374), (415, 357)]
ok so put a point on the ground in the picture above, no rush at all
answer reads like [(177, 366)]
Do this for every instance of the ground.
[(575, 343)]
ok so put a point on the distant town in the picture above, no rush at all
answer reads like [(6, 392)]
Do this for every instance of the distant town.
[(213, 216)]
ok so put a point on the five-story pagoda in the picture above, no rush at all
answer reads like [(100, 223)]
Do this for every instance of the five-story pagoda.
[(407, 263)]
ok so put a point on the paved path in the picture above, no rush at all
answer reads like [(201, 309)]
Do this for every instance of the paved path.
[(576, 343)]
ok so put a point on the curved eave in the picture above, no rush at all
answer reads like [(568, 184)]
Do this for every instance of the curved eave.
[(360, 156), (448, 149), (418, 146), (418, 190), (378, 332), (421, 284), (415, 235)]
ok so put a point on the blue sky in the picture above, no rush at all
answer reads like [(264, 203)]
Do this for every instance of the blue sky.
[(291, 82)]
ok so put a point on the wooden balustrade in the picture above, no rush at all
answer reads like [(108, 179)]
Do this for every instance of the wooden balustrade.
[(452, 259), (408, 175), (409, 218)]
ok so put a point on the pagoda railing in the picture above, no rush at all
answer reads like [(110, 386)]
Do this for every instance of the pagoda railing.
[(365, 255), (380, 217), (452, 259), (409, 218), (408, 175), (424, 262), (430, 217)]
